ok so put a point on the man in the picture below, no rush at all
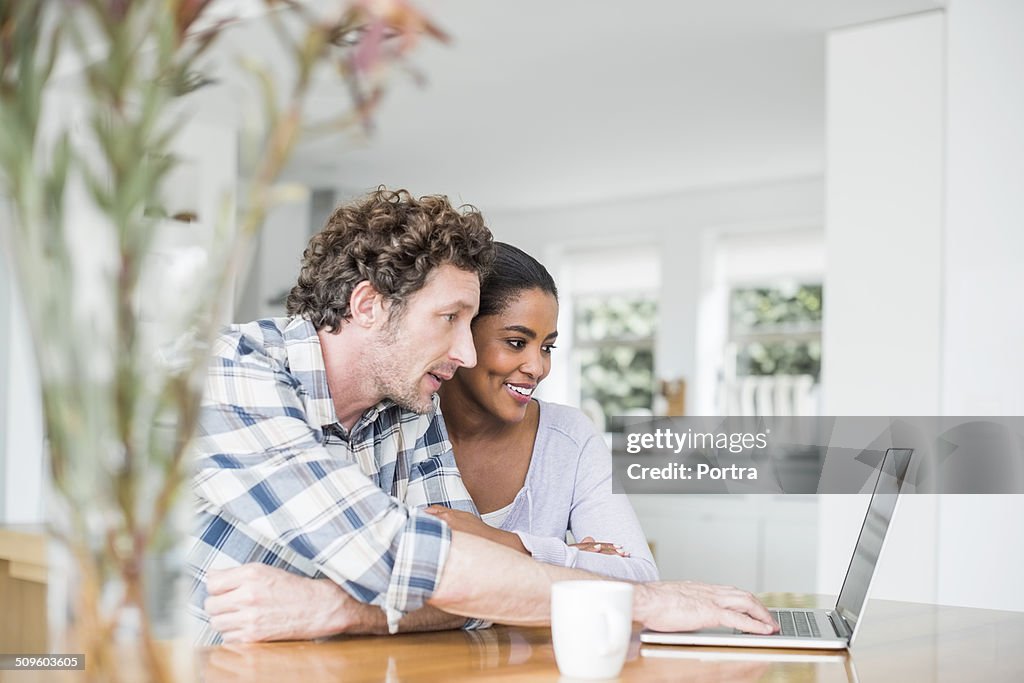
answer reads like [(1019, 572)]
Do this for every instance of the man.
[(321, 441)]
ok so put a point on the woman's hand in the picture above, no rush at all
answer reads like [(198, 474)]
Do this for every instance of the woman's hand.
[(471, 524), (460, 521), (589, 545)]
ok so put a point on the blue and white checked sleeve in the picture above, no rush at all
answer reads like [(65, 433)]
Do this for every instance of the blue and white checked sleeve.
[(263, 470)]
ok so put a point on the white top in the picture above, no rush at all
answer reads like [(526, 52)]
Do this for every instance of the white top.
[(497, 518), (569, 488)]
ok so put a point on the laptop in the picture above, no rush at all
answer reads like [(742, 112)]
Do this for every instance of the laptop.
[(822, 629)]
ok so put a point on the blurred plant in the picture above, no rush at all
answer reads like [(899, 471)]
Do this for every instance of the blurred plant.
[(100, 305), (786, 306)]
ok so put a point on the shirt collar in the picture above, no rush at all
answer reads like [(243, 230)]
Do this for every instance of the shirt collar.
[(306, 363)]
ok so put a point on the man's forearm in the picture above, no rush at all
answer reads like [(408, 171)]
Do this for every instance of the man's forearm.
[(521, 593), (255, 602), (518, 594)]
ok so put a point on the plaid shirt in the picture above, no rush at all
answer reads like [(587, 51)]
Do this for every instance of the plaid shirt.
[(279, 481)]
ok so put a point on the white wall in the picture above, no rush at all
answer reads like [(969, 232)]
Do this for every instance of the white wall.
[(22, 440), (209, 148), (883, 218), (883, 279), (983, 326), (5, 314), (923, 217), (283, 238)]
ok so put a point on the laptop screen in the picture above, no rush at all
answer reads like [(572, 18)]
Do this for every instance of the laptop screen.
[(872, 534)]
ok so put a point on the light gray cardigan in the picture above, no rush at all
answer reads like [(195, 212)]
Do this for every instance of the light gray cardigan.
[(569, 487)]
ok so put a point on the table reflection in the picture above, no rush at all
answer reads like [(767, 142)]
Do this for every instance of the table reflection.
[(450, 654), (505, 653), (712, 664)]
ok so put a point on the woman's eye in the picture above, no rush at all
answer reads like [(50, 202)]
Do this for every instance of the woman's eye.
[(516, 343), (548, 348), (450, 317)]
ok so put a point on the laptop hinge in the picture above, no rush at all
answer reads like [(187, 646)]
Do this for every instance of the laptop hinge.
[(839, 624)]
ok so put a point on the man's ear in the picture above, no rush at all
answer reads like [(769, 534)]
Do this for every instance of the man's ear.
[(366, 305)]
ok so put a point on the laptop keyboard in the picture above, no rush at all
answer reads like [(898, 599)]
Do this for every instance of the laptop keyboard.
[(796, 623)]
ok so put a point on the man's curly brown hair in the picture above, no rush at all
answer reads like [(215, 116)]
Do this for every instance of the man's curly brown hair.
[(392, 240)]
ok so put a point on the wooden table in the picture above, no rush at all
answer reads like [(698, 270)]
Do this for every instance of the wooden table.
[(900, 642)]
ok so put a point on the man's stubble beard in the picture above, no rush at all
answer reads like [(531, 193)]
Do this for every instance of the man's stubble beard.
[(390, 378)]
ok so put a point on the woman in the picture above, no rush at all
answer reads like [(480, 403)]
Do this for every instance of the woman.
[(533, 469)]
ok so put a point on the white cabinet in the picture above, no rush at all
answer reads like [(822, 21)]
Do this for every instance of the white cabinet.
[(789, 535), (757, 542)]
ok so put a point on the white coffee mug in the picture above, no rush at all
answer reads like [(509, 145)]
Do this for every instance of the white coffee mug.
[(591, 626)]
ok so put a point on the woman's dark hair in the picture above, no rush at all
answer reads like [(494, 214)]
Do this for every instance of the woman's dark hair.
[(512, 271)]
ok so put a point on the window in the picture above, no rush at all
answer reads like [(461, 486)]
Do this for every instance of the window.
[(760, 323), (773, 356), (614, 351), (776, 330), (608, 322)]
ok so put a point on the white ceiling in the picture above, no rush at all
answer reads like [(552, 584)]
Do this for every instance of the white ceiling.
[(555, 102)]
